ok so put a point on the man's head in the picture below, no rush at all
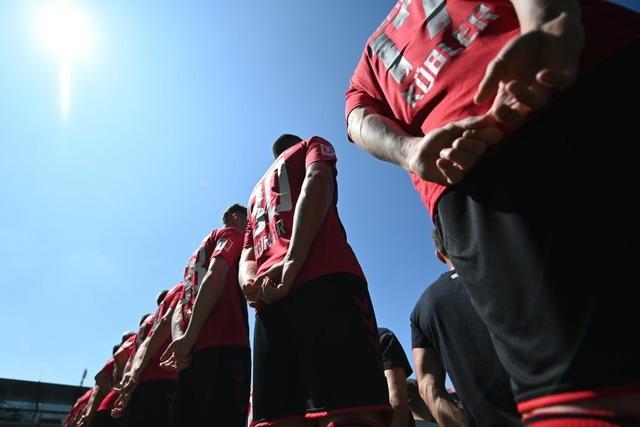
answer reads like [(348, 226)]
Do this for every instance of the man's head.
[(126, 335), (143, 318), (235, 216), (161, 295), (441, 251), (283, 142)]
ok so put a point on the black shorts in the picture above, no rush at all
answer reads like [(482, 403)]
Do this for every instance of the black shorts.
[(316, 353), (151, 404), (544, 237), (214, 389), (104, 419)]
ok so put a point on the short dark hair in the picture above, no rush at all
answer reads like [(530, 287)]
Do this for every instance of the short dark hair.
[(235, 208), (283, 142), (126, 335), (115, 349), (438, 242), (161, 295), (142, 319)]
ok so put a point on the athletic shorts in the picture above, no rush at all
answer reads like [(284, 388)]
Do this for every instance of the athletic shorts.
[(544, 236), (214, 389), (151, 404), (317, 354), (104, 419)]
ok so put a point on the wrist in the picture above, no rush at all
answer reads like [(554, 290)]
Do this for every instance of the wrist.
[(408, 147), (549, 16)]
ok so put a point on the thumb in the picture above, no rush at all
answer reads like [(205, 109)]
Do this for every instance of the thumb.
[(167, 353), (488, 87)]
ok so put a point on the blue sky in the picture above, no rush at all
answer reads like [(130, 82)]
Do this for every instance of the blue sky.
[(172, 114)]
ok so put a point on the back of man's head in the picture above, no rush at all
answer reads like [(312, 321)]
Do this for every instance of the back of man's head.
[(161, 295), (126, 335), (283, 142), (227, 216), (438, 242), (144, 317), (114, 350)]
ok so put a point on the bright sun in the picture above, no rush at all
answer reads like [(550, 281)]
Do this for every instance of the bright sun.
[(64, 30)]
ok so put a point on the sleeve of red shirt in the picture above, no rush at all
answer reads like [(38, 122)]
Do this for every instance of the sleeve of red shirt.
[(364, 90), (319, 150), (228, 246)]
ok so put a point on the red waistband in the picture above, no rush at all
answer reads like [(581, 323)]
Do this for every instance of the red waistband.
[(386, 411), (574, 397)]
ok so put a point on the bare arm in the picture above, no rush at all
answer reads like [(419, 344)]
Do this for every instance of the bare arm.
[(177, 321), (151, 344), (99, 392), (430, 376), (208, 295), (207, 298), (397, 385), (316, 195), (443, 155), (247, 276)]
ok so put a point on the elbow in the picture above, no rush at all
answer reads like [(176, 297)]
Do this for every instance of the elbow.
[(354, 123)]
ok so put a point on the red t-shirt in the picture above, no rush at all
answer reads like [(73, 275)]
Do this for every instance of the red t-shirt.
[(271, 209), (108, 401), (153, 371), (110, 371), (78, 407), (227, 323), (422, 66)]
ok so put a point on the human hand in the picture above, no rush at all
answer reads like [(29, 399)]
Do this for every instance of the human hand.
[(252, 291), (528, 70), (126, 385), (278, 281), (120, 405), (177, 356), (446, 154)]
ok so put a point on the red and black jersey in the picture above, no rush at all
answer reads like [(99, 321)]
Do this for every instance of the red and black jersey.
[(152, 370), (108, 401), (271, 210), (78, 407), (423, 65), (110, 371), (227, 323)]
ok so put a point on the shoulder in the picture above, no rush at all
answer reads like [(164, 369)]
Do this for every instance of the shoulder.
[(434, 295)]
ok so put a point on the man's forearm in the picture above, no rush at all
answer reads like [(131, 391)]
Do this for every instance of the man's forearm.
[(99, 393), (379, 136), (315, 197), (177, 321), (207, 298), (248, 267), (442, 407), (397, 385)]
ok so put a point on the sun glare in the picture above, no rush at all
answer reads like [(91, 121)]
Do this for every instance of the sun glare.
[(66, 32)]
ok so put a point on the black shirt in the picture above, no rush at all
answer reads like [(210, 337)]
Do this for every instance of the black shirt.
[(393, 355), (444, 320)]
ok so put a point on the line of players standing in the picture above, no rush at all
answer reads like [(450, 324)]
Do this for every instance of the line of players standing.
[(510, 193)]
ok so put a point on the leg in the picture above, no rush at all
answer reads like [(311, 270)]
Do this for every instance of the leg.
[(542, 238), (222, 386), (335, 326), (278, 393)]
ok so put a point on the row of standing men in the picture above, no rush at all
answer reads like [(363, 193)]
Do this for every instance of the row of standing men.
[(511, 119)]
